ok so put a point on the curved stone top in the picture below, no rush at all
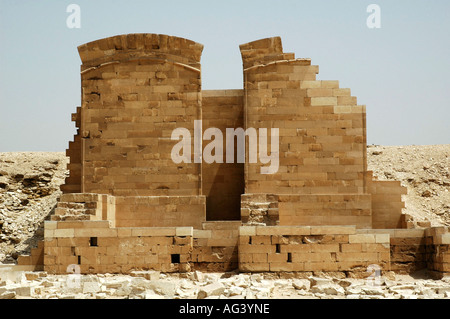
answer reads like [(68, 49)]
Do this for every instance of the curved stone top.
[(256, 52), (263, 51), (268, 45), (140, 45)]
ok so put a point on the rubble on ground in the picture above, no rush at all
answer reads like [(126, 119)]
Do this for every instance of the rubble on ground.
[(156, 285)]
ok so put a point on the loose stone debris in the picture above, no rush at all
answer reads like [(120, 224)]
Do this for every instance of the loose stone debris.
[(197, 285)]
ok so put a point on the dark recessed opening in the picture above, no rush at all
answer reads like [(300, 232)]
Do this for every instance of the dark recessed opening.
[(175, 258), (249, 240), (277, 248), (93, 242), (79, 260), (289, 259)]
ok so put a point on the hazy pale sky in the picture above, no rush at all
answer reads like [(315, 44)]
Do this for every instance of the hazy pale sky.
[(400, 71)]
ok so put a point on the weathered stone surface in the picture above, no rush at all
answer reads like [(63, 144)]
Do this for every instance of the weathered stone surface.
[(91, 287), (149, 275), (8, 295), (210, 290), (31, 275), (325, 286), (328, 289), (304, 284), (162, 287), (373, 291)]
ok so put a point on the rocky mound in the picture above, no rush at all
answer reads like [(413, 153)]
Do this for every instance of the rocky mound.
[(424, 170), (29, 187)]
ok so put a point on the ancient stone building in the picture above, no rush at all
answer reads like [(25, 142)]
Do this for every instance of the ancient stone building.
[(127, 205)]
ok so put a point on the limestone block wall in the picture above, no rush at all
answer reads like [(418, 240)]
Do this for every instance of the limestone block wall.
[(310, 248), (160, 211), (35, 258), (260, 209), (334, 209), (73, 181), (215, 246), (80, 206), (132, 211), (438, 249), (223, 183), (314, 210), (420, 248), (322, 140), (387, 202), (408, 248), (95, 247), (136, 89)]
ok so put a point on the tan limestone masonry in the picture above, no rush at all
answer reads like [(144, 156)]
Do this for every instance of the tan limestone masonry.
[(128, 206)]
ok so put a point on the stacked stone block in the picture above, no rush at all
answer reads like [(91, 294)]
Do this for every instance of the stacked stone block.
[(418, 248), (216, 246), (136, 89), (260, 209), (322, 139), (35, 258), (310, 248), (408, 250), (95, 247), (82, 206), (73, 181), (438, 249), (160, 211), (333, 209), (387, 202), (322, 129)]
